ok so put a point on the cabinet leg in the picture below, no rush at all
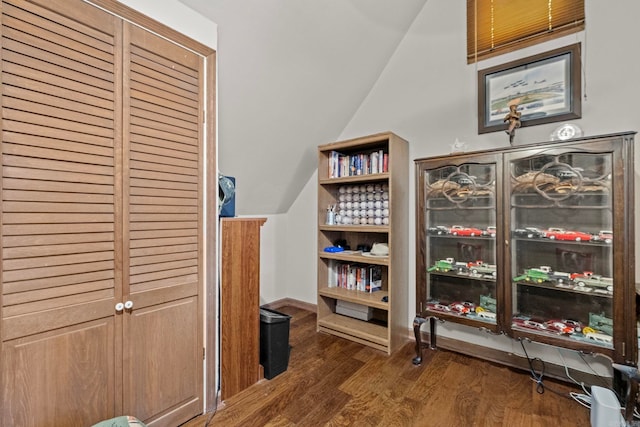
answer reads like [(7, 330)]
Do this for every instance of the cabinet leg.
[(432, 331), (417, 322)]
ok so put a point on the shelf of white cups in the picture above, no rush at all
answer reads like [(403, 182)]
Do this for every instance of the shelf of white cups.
[(363, 204)]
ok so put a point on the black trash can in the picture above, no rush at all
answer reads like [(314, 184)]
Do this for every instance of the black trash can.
[(274, 342)]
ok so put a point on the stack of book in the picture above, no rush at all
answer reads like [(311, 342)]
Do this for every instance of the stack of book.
[(341, 165), (356, 277)]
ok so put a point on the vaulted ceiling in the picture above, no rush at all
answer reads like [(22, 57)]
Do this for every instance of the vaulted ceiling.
[(291, 74)]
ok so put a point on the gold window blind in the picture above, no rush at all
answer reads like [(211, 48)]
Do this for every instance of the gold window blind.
[(499, 26)]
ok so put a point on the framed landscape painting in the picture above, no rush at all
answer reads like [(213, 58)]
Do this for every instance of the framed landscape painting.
[(546, 88)]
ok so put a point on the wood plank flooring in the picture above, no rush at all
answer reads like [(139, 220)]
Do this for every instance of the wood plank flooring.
[(334, 382)]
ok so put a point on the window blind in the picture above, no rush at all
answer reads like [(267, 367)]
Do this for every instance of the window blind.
[(499, 26)]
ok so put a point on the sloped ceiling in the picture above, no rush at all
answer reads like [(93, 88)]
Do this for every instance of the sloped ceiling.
[(291, 74)]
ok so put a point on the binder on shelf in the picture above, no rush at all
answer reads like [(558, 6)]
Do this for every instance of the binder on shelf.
[(375, 281)]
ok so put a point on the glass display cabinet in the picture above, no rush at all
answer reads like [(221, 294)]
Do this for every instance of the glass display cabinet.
[(561, 247), (458, 240), (533, 242)]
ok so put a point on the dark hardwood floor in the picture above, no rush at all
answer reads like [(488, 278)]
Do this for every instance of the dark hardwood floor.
[(335, 382)]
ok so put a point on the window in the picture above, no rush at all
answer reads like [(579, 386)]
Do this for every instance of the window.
[(499, 26)]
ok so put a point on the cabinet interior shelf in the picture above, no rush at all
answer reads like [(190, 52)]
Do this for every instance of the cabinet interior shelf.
[(370, 299), (463, 276), (558, 242), (562, 289)]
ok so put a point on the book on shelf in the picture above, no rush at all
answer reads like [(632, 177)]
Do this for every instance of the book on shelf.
[(342, 165), (354, 276)]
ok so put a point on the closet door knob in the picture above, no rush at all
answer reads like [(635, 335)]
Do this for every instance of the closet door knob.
[(128, 304), (119, 307)]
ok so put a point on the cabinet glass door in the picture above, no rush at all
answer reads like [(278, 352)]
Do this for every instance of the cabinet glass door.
[(561, 220), (460, 241)]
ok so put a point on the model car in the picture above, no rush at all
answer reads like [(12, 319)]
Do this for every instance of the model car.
[(459, 230), (490, 231), (524, 322), (529, 232), (444, 265), (563, 326), (544, 273), (576, 325), (485, 314), (462, 307), (598, 337), (438, 229), (483, 268), (562, 234), (435, 306), (584, 274), (605, 236), (593, 281), (538, 275)]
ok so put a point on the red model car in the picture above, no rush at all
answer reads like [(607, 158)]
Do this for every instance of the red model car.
[(459, 230), (583, 275), (563, 326), (562, 234), (462, 307)]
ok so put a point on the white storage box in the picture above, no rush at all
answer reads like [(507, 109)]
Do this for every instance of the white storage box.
[(352, 309)]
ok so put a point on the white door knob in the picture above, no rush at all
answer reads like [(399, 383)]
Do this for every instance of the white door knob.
[(128, 304), (119, 307)]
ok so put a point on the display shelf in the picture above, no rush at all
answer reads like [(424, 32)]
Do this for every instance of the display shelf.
[(365, 210), (563, 213)]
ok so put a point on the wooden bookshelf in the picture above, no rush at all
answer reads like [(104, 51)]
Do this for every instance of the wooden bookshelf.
[(387, 330)]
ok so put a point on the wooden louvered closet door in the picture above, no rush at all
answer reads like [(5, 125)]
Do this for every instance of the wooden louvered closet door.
[(162, 216), (101, 205)]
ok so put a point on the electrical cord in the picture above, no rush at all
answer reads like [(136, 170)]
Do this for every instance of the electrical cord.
[(585, 399), (537, 378), (566, 370), (602, 380), (582, 399)]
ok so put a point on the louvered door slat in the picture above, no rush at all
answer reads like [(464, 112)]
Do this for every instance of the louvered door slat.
[(57, 285)]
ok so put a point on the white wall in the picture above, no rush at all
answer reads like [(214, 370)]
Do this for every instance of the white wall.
[(176, 15), (427, 95)]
